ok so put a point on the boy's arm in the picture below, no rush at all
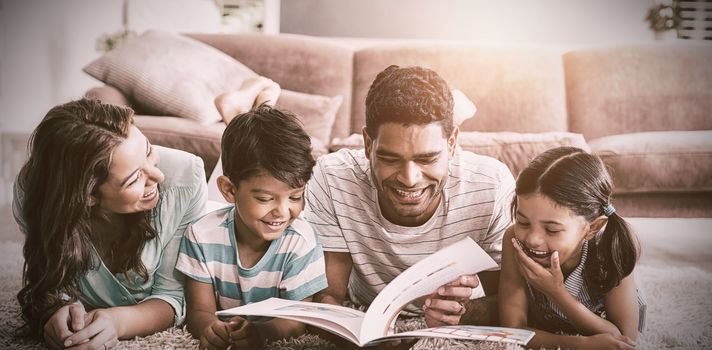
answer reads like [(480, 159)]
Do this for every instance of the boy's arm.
[(338, 271), (279, 328), (200, 298)]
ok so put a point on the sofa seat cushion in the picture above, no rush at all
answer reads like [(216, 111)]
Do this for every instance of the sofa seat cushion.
[(192, 136), (661, 161), (513, 149), (188, 135)]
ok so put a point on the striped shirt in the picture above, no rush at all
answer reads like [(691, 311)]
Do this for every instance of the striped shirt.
[(292, 268), (546, 315), (342, 203)]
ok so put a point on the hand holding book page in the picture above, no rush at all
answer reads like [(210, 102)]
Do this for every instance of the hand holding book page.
[(423, 278), (464, 257)]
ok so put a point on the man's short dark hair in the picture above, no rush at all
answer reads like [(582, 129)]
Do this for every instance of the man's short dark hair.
[(410, 95), (270, 140)]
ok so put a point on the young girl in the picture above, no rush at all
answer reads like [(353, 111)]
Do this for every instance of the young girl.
[(560, 274)]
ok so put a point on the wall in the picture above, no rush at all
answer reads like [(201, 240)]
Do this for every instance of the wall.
[(45, 43), (550, 22)]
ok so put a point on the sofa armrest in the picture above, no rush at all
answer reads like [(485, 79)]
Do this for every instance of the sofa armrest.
[(108, 94)]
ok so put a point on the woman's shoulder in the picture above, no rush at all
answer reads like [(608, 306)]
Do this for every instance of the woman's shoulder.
[(179, 167)]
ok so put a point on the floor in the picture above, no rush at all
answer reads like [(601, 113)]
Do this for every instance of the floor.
[(683, 242), (8, 227)]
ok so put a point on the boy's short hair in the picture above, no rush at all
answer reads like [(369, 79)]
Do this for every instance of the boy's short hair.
[(409, 96), (270, 140)]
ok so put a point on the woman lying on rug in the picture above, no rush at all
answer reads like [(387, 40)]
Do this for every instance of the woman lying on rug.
[(103, 212), (559, 274)]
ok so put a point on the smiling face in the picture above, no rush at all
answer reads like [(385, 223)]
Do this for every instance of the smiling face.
[(265, 207), (543, 227), (132, 183), (409, 166)]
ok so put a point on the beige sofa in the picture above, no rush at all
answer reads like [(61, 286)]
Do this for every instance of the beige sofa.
[(646, 109)]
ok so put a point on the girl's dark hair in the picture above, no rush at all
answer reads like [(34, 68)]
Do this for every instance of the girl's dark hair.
[(69, 157), (409, 96), (579, 181), (267, 139)]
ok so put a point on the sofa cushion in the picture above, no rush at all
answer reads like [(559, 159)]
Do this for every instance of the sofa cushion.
[(316, 112), (169, 74), (515, 150), (517, 89), (296, 62), (639, 88), (108, 94), (661, 161)]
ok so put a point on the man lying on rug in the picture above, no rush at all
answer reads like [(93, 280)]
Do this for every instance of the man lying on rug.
[(410, 192)]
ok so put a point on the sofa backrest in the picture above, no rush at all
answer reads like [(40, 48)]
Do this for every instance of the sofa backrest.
[(618, 90), (514, 88), (296, 62)]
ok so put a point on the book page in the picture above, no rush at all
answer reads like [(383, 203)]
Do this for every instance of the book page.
[(464, 257), (463, 332), (343, 321)]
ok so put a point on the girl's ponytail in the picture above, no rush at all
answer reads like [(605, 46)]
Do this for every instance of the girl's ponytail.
[(616, 251)]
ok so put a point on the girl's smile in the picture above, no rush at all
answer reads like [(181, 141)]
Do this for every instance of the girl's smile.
[(543, 227), (537, 255)]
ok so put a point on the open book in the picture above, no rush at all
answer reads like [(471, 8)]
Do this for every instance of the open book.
[(423, 278)]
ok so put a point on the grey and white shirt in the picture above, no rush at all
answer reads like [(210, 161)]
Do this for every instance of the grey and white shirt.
[(342, 202)]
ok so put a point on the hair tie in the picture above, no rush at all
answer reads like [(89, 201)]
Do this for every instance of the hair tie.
[(609, 210)]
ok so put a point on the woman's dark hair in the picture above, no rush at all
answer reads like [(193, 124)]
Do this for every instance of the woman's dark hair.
[(409, 96), (267, 139), (69, 156), (579, 181)]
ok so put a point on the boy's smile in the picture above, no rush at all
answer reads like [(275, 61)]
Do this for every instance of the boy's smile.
[(264, 208)]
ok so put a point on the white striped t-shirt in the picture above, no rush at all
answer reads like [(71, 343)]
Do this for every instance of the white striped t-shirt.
[(292, 268), (342, 203)]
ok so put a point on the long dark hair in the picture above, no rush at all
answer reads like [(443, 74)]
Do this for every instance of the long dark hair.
[(579, 181), (69, 157)]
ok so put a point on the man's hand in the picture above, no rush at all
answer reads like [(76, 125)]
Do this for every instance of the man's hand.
[(447, 304)]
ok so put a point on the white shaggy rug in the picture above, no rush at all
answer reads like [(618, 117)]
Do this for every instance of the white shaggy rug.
[(679, 313)]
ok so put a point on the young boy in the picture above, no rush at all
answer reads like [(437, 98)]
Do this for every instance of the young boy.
[(257, 248)]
